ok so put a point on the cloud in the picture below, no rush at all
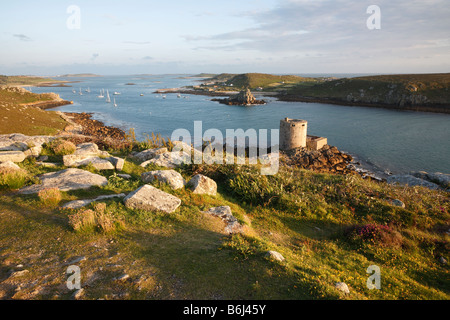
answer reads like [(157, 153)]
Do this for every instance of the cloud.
[(22, 37), (147, 58), (338, 28)]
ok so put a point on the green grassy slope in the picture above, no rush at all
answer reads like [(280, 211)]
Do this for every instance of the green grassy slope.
[(415, 90), (311, 219), (16, 117)]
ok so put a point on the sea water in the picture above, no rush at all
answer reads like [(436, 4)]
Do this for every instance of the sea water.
[(390, 140)]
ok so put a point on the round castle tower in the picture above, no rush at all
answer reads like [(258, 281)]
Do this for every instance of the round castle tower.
[(293, 133)]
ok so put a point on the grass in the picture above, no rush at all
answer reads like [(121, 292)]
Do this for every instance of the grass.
[(384, 89), (253, 81), (330, 228), (28, 120)]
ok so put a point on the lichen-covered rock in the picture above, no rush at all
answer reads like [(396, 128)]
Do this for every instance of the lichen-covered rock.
[(169, 160), (200, 184), (76, 204), (442, 179), (224, 212), (13, 156), (149, 198), (411, 181), (149, 154), (274, 255), (117, 162), (174, 179), (66, 180), (96, 162)]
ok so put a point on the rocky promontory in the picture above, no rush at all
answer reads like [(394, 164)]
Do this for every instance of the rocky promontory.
[(245, 97), (326, 160)]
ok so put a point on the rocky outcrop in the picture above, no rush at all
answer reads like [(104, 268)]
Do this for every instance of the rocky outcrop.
[(327, 159), (95, 128), (410, 180), (76, 204), (169, 160), (149, 154), (224, 212), (200, 184), (149, 198), (89, 153), (174, 179), (66, 180), (244, 98), (12, 156), (441, 179), (18, 147)]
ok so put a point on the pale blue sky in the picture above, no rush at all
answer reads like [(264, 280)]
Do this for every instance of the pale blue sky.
[(174, 36)]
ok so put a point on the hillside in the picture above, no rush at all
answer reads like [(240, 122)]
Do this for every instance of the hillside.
[(422, 92), (328, 229), (254, 81), (262, 80), (22, 112)]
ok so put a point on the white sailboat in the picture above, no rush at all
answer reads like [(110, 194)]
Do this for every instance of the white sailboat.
[(115, 104), (101, 95), (81, 93), (88, 90), (108, 99)]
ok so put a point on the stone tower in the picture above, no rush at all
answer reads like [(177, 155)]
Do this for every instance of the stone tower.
[(293, 133)]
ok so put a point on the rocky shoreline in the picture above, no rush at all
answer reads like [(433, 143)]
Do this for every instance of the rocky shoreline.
[(421, 108)]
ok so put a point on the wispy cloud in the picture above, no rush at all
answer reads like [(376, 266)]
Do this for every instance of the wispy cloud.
[(137, 42), (337, 28), (22, 37), (147, 58)]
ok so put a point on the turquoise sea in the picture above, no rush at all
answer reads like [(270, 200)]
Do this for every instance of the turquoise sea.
[(388, 140)]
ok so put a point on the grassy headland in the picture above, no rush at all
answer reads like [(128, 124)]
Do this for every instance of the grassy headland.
[(22, 111), (420, 92), (254, 81)]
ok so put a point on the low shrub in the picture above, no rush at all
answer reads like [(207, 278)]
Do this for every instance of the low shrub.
[(96, 219), (50, 197), (62, 147), (11, 179), (376, 234)]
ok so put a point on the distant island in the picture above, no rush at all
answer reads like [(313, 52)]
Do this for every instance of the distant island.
[(80, 75), (417, 92), (31, 81)]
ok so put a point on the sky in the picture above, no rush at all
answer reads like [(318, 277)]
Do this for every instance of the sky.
[(52, 37)]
